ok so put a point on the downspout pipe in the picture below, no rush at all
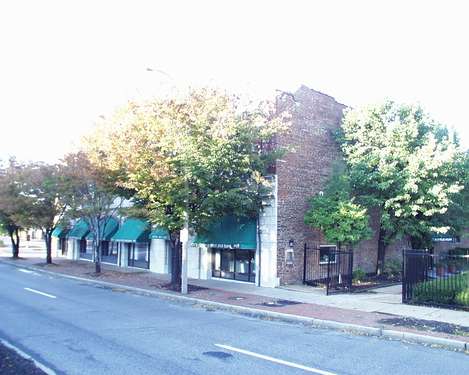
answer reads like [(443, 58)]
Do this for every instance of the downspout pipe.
[(259, 246)]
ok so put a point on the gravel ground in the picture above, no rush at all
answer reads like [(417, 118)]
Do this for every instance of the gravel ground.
[(12, 363)]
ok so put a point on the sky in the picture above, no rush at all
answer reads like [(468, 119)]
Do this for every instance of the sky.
[(65, 63)]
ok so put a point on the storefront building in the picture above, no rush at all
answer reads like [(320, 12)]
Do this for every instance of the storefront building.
[(60, 242), (231, 244), (77, 245), (133, 243), (108, 228)]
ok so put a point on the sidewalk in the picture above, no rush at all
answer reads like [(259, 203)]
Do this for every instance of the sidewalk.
[(377, 310)]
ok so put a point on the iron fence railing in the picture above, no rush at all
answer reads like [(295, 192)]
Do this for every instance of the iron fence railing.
[(438, 280), (329, 268)]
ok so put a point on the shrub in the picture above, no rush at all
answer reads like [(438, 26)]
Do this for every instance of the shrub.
[(358, 275), (2, 244), (392, 268)]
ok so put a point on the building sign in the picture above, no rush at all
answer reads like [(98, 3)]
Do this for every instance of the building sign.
[(443, 239), (224, 245)]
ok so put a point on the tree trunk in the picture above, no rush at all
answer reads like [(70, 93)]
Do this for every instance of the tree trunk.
[(97, 256), (15, 245), (48, 240), (381, 251)]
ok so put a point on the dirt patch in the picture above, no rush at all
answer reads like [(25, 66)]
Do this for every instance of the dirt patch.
[(427, 325)]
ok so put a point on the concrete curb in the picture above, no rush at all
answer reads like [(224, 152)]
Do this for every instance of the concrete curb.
[(439, 342), (38, 364)]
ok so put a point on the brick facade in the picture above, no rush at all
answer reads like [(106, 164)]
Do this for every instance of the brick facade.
[(303, 172)]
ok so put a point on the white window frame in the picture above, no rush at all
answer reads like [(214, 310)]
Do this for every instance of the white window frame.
[(324, 246)]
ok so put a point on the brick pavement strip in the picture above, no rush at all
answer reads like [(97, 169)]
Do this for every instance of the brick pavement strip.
[(368, 323)]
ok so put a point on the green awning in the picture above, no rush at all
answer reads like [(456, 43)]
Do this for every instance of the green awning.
[(79, 230), (159, 233), (108, 228), (231, 233), (133, 230), (60, 232)]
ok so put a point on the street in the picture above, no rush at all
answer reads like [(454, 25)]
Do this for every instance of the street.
[(77, 328)]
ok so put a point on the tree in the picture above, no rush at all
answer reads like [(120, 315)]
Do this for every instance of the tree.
[(191, 160), (402, 163), (92, 196), (14, 207), (455, 220), (47, 190), (335, 213)]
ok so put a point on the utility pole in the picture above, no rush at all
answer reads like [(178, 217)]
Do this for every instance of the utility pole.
[(184, 242)]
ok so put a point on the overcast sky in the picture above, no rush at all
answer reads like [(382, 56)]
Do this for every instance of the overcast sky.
[(64, 63)]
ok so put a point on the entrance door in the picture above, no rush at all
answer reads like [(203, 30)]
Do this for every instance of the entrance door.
[(234, 264)]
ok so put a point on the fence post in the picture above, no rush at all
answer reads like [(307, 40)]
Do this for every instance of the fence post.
[(328, 279), (304, 263), (350, 270), (404, 289)]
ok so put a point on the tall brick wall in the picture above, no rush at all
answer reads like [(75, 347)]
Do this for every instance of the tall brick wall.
[(302, 172)]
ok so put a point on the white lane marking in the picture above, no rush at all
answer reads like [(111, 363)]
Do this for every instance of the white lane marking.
[(41, 293), (275, 360)]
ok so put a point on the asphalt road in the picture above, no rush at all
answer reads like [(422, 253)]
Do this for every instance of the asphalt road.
[(77, 328)]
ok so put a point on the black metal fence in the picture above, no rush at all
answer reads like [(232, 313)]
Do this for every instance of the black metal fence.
[(438, 280), (328, 267)]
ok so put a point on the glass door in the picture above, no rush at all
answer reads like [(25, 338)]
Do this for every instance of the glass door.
[(234, 264)]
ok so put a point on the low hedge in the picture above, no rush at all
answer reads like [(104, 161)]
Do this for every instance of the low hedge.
[(453, 290)]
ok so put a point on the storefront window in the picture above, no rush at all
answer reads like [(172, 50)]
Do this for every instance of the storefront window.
[(234, 264), (109, 252), (139, 255), (86, 249)]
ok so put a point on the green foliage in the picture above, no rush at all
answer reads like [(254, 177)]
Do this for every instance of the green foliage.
[(447, 291), (358, 275), (462, 298), (14, 207), (456, 219), (46, 190), (205, 154), (336, 214), (392, 268), (404, 165)]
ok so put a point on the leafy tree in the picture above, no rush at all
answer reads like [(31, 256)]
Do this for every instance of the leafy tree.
[(92, 196), (335, 213), (455, 220), (46, 189), (191, 160), (14, 207), (402, 163)]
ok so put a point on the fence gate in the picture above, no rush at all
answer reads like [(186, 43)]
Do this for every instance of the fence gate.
[(328, 267)]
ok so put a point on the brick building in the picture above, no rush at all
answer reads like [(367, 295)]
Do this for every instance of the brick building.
[(316, 119), (268, 252)]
